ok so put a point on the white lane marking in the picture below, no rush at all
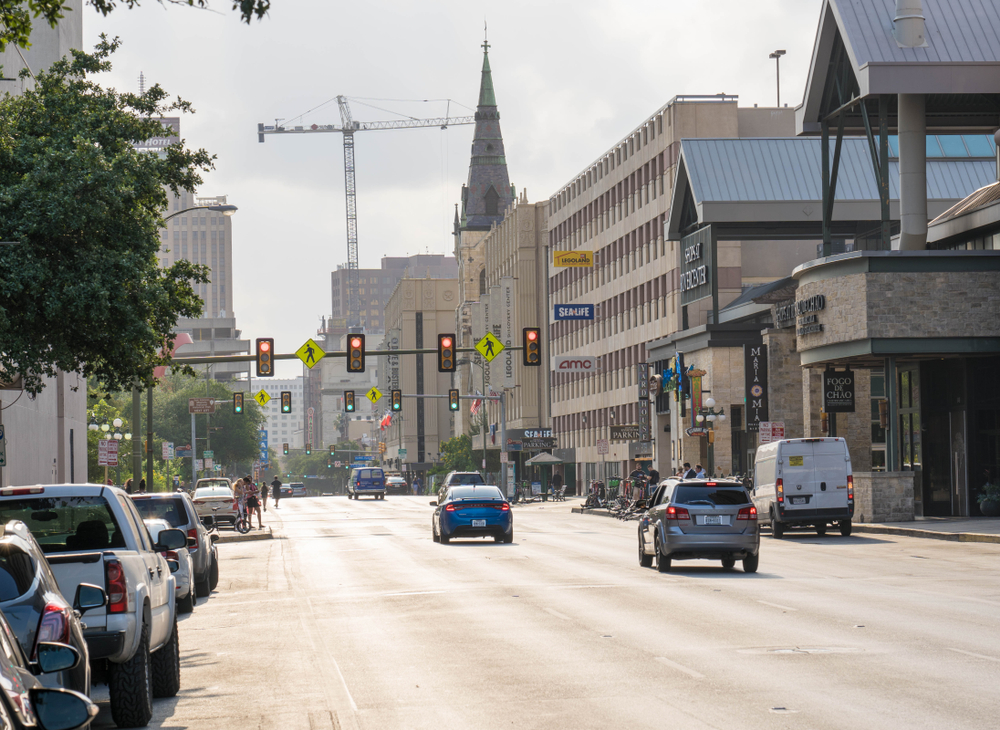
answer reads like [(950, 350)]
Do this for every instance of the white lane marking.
[(778, 605), (977, 656), (555, 613), (680, 667), (410, 593)]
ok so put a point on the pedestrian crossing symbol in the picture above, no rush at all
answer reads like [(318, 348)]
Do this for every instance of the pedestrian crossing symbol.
[(374, 395), (310, 353), (262, 397), (489, 347)]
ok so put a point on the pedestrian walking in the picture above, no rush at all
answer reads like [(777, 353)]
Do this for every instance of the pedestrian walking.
[(253, 502), (276, 491), (264, 494), (689, 473), (418, 485), (654, 477)]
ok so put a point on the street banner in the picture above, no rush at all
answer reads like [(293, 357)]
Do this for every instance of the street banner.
[(755, 373), (573, 258), (494, 327), (507, 331)]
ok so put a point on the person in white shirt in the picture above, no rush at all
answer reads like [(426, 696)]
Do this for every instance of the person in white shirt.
[(700, 472)]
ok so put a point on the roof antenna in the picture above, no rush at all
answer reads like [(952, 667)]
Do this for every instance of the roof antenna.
[(142, 84)]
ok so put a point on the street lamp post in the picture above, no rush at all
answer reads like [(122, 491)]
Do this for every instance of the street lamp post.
[(708, 414), (777, 68)]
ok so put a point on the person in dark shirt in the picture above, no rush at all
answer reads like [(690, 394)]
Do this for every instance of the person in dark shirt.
[(276, 491)]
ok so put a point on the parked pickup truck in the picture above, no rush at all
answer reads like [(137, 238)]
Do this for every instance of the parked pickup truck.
[(94, 534)]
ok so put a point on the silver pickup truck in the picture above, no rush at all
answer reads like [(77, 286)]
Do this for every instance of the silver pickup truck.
[(94, 534)]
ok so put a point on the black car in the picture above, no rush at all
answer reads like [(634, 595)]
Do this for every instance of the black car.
[(24, 702), (35, 608), (178, 509)]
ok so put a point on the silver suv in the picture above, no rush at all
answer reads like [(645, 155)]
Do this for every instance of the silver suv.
[(704, 519), (456, 478)]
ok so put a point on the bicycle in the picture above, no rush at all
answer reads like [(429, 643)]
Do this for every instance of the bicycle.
[(211, 523), (242, 522)]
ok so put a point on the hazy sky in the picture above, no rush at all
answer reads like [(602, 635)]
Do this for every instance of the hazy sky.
[(571, 79)]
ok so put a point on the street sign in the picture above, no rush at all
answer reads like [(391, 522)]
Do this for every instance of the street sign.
[(336, 463), (208, 454), (602, 446), (696, 431), (626, 433), (107, 452), (198, 465), (503, 457), (402, 453), (489, 347), (168, 450), (514, 445), (574, 311), (771, 431), (374, 395), (3, 447), (262, 397), (201, 405), (310, 353), (184, 451), (209, 463), (364, 457)]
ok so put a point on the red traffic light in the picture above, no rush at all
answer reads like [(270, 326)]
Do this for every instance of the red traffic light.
[(355, 342), (532, 335), (445, 342), (265, 346)]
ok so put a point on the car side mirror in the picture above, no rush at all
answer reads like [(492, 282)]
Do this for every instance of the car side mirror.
[(174, 565), (53, 657), (171, 540), (215, 538), (87, 597), (433, 503), (61, 709)]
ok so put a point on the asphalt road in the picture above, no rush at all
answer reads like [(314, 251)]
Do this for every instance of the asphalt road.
[(354, 618)]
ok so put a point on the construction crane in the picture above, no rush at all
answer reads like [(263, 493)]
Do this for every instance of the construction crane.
[(348, 126)]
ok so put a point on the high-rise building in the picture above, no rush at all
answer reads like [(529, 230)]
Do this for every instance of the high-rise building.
[(283, 428)]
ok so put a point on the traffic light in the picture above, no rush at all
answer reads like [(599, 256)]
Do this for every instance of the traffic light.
[(284, 448), (446, 353), (453, 399), (309, 449), (349, 401), (265, 357), (355, 353), (237, 403), (333, 452), (381, 447), (286, 401), (328, 464), (532, 344), (397, 400)]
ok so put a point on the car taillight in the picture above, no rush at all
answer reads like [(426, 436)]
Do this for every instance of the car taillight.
[(449, 508), (850, 488), (193, 532), (17, 491), (677, 513), (505, 507), (114, 578), (54, 626), (747, 513), (780, 488)]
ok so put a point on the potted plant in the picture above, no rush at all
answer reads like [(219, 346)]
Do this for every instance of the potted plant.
[(989, 500)]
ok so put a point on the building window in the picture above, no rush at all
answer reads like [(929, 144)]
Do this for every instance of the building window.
[(492, 201)]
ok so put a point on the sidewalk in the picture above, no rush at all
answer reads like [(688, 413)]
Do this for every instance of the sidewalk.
[(955, 529)]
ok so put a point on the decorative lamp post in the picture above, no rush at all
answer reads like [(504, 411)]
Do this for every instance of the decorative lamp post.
[(707, 413)]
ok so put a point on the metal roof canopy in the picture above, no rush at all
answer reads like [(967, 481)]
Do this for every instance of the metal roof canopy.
[(753, 189)]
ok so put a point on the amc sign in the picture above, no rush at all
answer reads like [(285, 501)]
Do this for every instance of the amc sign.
[(574, 364)]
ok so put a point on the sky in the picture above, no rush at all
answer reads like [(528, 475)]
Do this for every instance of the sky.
[(571, 80)]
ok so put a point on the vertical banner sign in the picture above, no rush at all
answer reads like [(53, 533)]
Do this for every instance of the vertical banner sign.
[(755, 372), (263, 447), (642, 381), (507, 331), (310, 416), (495, 326), (697, 401), (393, 361), (838, 391), (486, 304), (478, 322), (697, 275)]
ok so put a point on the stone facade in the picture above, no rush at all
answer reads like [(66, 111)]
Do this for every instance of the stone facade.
[(883, 496), (784, 375)]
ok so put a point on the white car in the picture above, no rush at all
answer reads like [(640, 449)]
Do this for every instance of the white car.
[(184, 590), (214, 497)]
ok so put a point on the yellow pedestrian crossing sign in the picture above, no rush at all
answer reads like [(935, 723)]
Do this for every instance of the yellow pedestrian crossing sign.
[(374, 395), (310, 353), (262, 397), (489, 347)]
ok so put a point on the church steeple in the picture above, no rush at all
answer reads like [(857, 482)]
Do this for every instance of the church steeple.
[(488, 192)]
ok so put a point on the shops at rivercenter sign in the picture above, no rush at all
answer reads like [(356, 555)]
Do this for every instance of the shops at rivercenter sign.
[(800, 314)]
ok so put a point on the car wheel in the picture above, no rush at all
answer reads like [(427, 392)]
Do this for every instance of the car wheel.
[(777, 529), (845, 528), (750, 563), (130, 685), (203, 586), (645, 561), (728, 563), (434, 533), (662, 562), (509, 537), (444, 539), (213, 574), (821, 529), (186, 604), (167, 666)]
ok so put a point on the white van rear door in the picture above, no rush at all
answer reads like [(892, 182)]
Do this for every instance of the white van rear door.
[(798, 475), (830, 474)]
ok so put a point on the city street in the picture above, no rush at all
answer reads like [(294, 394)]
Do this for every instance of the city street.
[(354, 618)]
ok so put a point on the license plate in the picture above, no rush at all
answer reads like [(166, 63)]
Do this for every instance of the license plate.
[(713, 519), (798, 500), (479, 523)]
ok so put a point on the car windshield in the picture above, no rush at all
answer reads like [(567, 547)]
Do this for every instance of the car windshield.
[(171, 510), (66, 523), (715, 495), (476, 493), (467, 478), (214, 492), (212, 483), (17, 572)]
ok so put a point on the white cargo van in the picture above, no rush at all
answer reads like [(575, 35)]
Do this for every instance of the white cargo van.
[(804, 482)]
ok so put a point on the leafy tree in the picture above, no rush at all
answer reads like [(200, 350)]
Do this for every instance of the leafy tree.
[(82, 289), (17, 16), (456, 455)]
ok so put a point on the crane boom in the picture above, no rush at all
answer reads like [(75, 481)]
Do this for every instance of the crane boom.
[(348, 127)]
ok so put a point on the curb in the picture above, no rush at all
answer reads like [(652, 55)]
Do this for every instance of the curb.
[(977, 537), (264, 534)]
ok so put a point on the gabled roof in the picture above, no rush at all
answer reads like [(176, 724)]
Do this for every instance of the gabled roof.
[(961, 59), (778, 181)]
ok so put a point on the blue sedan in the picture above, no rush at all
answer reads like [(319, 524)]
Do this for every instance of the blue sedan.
[(472, 511)]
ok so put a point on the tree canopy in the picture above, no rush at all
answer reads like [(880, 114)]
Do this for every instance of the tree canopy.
[(81, 288), (18, 16)]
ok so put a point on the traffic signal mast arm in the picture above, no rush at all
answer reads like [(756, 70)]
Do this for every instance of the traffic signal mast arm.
[(210, 359)]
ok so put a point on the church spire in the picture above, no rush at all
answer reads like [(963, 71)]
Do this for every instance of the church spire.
[(488, 192)]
